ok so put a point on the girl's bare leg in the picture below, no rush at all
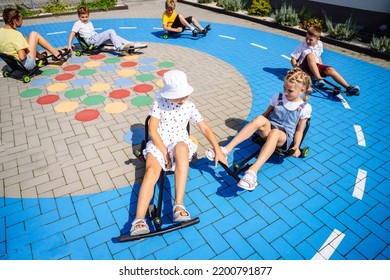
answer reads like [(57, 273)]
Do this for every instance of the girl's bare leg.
[(181, 172), (36, 39), (152, 173)]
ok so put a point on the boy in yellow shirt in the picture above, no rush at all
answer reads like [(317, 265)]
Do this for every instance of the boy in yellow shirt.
[(176, 23)]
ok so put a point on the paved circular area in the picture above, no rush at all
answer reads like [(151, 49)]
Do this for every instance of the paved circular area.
[(333, 204)]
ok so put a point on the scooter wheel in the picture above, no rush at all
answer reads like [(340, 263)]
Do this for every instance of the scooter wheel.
[(165, 36), (26, 79), (5, 73), (305, 152), (78, 53)]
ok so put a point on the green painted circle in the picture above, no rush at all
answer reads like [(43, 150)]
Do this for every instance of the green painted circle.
[(50, 72), (112, 60), (31, 92), (166, 64), (142, 101), (94, 100), (86, 72), (145, 77), (74, 93)]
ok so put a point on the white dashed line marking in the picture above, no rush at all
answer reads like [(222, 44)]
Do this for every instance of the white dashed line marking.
[(359, 135), (286, 57), (157, 28), (259, 46), (127, 27), (330, 245), (343, 101), (55, 33), (227, 37), (360, 184)]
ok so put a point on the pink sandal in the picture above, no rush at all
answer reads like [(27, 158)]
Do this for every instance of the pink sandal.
[(248, 182)]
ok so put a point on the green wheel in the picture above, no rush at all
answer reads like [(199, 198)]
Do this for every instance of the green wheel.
[(165, 36), (305, 152), (26, 79), (78, 53), (5, 73)]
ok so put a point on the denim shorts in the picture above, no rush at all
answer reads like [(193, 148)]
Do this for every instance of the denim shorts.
[(29, 62)]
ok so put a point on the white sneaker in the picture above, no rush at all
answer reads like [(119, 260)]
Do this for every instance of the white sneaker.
[(138, 45), (126, 47)]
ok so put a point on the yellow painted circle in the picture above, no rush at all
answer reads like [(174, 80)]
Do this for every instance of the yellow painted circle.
[(92, 64), (100, 87), (115, 108), (131, 57), (126, 72), (57, 87), (160, 83), (66, 106)]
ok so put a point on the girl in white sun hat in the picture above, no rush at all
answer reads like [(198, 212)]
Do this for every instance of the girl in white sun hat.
[(170, 147)]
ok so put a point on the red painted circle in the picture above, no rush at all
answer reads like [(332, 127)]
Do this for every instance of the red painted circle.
[(129, 64), (143, 88), (64, 77), (47, 99), (72, 67), (119, 93), (162, 72), (87, 115), (97, 56)]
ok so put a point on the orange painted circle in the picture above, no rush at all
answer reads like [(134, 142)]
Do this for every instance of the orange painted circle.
[(47, 99), (87, 115), (142, 88), (97, 56), (119, 93), (162, 72), (72, 67), (64, 77), (129, 64)]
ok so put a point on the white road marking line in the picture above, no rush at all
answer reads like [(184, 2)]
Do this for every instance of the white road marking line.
[(259, 46), (99, 28), (127, 27), (360, 135), (227, 37), (360, 184), (286, 57), (158, 28), (343, 101), (329, 246), (55, 33)]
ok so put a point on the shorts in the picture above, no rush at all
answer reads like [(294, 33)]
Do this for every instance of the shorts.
[(177, 22), (29, 62), (151, 148), (321, 68)]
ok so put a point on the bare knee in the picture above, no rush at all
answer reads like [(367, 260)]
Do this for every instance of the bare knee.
[(181, 148), (259, 122), (329, 71)]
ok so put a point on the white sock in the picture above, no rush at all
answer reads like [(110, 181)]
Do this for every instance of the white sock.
[(192, 28)]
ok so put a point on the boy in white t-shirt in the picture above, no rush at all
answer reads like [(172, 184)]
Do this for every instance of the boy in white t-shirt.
[(307, 56), (86, 30)]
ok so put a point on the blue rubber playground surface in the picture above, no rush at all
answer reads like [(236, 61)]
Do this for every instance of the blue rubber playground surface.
[(333, 204)]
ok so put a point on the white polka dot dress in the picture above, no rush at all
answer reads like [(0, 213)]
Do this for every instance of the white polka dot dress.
[(173, 128)]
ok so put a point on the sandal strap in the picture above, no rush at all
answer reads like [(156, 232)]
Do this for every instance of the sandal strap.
[(179, 212), (138, 221)]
